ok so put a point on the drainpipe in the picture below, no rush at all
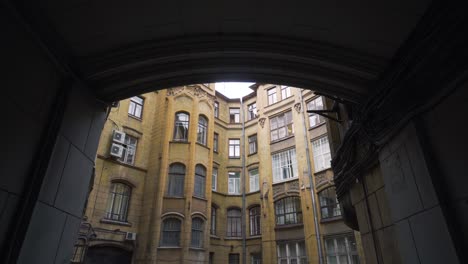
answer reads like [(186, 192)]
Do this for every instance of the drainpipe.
[(311, 183), (243, 180)]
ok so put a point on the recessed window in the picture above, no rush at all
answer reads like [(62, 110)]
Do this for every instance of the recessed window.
[(285, 92), (170, 236), (234, 259), (234, 115), (284, 165), (175, 186), (288, 211), (293, 252), (252, 111), (254, 221), (197, 233), (234, 182), (281, 126), (253, 144), (234, 148), (199, 186), (314, 119), (181, 126), (256, 258), (254, 180), (202, 130), (213, 221), (118, 202), (329, 206), (271, 96), (215, 142), (233, 228), (135, 107), (341, 249), (321, 153), (214, 179), (128, 154), (216, 109)]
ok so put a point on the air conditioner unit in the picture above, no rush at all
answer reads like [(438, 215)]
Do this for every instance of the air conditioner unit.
[(116, 150), (130, 236), (118, 137)]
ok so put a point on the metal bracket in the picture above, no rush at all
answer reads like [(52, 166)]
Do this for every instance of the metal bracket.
[(335, 109)]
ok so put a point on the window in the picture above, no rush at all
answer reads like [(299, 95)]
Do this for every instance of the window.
[(215, 142), (79, 251), (171, 232), (252, 111), (314, 119), (135, 108), (234, 115), (181, 127), (285, 92), (321, 152), (233, 228), (341, 250), (197, 233), (213, 221), (200, 175), (175, 186), (271, 96), (253, 144), (254, 220), (202, 130), (256, 258), (234, 148), (329, 206), (216, 109), (234, 259), (281, 126), (254, 180), (128, 154), (288, 211), (118, 202), (284, 165), (292, 253), (214, 179), (211, 258), (234, 182)]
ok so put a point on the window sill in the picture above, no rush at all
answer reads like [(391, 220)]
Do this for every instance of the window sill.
[(254, 237), (174, 197), (200, 198), (135, 117), (234, 157), (281, 139), (180, 141), (233, 238), (288, 226), (322, 170), (114, 222), (251, 154), (287, 180), (169, 247), (331, 219), (317, 126), (202, 145), (215, 237), (196, 249)]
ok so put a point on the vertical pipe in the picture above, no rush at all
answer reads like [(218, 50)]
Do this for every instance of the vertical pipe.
[(243, 180), (311, 183)]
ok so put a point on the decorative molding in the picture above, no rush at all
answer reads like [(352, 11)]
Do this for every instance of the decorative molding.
[(261, 121), (297, 106), (193, 90)]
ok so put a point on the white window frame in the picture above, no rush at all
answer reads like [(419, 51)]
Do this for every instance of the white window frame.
[(202, 130), (215, 142), (254, 180), (315, 119), (284, 165), (271, 94), (297, 258), (321, 153), (234, 147), (129, 151), (252, 111), (216, 109), (234, 181), (253, 145), (285, 92), (118, 202), (214, 179), (135, 106), (335, 253), (234, 112), (281, 127)]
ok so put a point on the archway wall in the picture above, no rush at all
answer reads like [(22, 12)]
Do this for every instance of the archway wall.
[(52, 130)]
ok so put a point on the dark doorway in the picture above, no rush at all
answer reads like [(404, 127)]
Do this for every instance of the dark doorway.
[(108, 255)]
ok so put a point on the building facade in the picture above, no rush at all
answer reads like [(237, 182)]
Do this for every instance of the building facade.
[(187, 175)]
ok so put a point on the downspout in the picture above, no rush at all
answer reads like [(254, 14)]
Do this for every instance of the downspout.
[(243, 180), (311, 184)]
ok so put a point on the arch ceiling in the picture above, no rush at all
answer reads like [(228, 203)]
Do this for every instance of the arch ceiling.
[(125, 47)]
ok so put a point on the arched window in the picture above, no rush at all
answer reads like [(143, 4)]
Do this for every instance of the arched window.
[(181, 126), (200, 176), (254, 220), (197, 233), (202, 130), (233, 228), (171, 232), (175, 186), (118, 202), (288, 211), (329, 206)]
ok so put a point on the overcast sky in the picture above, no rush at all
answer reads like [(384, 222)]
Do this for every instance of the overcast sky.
[(234, 89)]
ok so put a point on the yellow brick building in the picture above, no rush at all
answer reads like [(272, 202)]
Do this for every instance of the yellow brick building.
[(187, 175)]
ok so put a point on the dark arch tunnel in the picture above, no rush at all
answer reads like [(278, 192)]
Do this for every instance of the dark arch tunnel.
[(58, 94)]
